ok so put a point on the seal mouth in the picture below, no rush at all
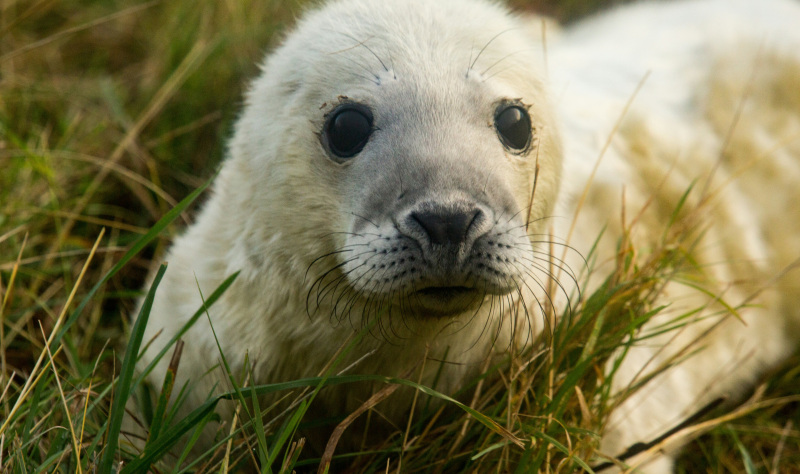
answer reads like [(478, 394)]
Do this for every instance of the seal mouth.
[(446, 292), (446, 300)]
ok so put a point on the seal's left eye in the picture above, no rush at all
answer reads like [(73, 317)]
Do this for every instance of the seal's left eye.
[(513, 126), (347, 130)]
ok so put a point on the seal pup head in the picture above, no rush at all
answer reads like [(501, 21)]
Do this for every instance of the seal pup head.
[(404, 148)]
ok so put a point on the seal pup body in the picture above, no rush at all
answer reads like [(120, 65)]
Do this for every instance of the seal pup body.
[(688, 95), (433, 227)]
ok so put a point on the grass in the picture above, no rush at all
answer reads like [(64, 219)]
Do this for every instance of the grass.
[(111, 113)]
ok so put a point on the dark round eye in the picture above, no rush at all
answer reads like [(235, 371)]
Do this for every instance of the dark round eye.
[(513, 125), (347, 130)]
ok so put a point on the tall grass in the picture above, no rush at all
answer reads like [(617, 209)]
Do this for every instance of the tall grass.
[(111, 113)]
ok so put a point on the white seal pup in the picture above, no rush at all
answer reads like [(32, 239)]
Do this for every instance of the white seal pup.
[(374, 175), (400, 164)]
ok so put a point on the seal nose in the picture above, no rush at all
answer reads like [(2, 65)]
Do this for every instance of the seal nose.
[(446, 226)]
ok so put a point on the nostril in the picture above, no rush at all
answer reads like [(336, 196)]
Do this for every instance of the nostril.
[(446, 227)]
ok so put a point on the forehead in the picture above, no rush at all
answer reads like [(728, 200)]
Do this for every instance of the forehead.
[(357, 45)]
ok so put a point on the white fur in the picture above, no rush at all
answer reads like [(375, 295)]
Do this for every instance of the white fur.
[(671, 49), (279, 202)]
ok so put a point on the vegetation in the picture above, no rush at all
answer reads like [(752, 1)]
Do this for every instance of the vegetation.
[(110, 113)]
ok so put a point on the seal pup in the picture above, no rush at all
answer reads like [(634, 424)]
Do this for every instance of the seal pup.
[(400, 164), (373, 178)]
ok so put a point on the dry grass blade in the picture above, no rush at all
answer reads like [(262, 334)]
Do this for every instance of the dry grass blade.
[(63, 254), (3, 304), (696, 430), (603, 151), (229, 445), (75, 442), (170, 87), (8, 385), (71, 31), (414, 403), (11, 233), (26, 389), (293, 454), (327, 456), (776, 460)]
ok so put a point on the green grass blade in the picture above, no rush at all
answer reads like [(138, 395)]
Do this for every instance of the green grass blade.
[(126, 376), (289, 429), (675, 216), (287, 432), (47, 463), (557, 405), (187, 450), (155, 449), (488, 450), (559, 446), (33, 409), (341, 379), (747, 459), (164, 396), (215, 295), (137, 247), (224, 359), (258, 425), (58, 445)]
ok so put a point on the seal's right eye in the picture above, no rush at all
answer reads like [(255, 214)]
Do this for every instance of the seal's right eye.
[(347, 130), (513, 126)]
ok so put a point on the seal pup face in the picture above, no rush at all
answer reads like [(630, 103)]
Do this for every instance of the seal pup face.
[(427, 146), (432, 227)]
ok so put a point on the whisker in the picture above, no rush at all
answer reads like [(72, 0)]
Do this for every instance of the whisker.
[(335, 252), (365, 220), (364, 45), (506, 57), (483, 49)]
